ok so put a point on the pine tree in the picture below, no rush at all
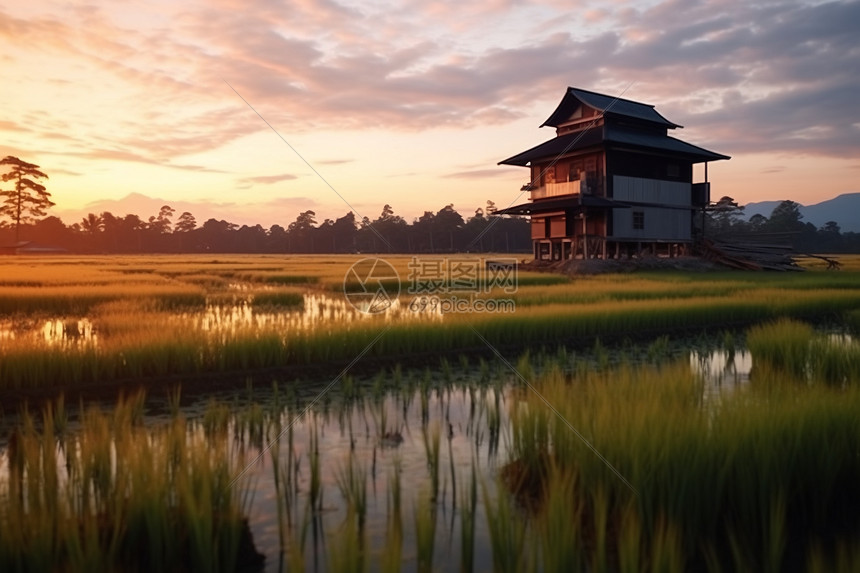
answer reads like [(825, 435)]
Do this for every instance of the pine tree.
[(28, 199)]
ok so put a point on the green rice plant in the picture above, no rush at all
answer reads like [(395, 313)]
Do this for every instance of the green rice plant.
[(468, 504), (315, 493), (794, 348), (660, 349), (431, 439), (347, 550), (784, 344), (710, 484), (835, 362), (507, 530), (631, 558), (425, 530), (122, 499), (392, 555), (278, 299), (557, 525), (352, 482), (143, 340)]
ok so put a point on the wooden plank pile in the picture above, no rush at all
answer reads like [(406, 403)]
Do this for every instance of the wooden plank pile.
[(747, 253)]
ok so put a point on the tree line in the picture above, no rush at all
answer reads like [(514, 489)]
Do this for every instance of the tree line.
[(785, 226), (443, 231)]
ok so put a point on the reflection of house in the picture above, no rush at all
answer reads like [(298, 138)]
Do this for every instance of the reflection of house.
[(30, 248), (611, 182)]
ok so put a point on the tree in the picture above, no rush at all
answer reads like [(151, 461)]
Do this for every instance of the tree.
[(831, 227), (758, 222), (786, 218), (29, 198), (185, 223), (161, 223), (92, 224), (299, 231), (726, 214)]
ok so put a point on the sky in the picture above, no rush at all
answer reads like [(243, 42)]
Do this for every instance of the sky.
[(256, 110)]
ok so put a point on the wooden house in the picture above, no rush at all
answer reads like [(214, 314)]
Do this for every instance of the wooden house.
[(612, 182)]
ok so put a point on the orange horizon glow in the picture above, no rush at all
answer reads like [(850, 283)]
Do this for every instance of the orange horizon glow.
[(411, 107)]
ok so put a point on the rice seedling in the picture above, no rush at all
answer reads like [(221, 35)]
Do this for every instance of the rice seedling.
[(278, 299), (468, 504), (315, 493), (715, 481), (784, 344), (507, 531), (119, 497), (425, 530), (721, 484), (392, 555), (144, 339), (352, 482), (794, 348), (431, 438)]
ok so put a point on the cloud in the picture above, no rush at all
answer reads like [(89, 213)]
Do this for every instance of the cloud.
[(744, 77), (483, 173), (267, 179)]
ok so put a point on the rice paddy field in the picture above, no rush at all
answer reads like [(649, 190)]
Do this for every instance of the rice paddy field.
[(240, 413)]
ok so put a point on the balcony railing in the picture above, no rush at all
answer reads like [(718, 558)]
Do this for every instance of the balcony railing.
[(553, 190)]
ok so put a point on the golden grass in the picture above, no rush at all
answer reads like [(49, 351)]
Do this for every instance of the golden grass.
[(150, 312)]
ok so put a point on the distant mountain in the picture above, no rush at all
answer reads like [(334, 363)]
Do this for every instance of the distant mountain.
[(844, 209)]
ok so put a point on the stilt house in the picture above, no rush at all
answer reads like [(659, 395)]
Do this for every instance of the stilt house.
[(612, 182)]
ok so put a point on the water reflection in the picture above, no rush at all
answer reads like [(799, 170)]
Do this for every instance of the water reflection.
[(271, 434), (53, 332), (69, 332), (318, 310), (722, 370)]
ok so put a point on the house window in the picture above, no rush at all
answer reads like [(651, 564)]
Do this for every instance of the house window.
[(673, 170), (638, 220)]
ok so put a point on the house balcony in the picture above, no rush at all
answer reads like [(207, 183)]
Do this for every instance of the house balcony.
[(553, 190)]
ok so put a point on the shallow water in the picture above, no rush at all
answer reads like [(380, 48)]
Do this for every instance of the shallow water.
[(317, 310), (468, 406)]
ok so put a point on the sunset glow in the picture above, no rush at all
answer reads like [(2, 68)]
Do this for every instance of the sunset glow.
[(407, 103)]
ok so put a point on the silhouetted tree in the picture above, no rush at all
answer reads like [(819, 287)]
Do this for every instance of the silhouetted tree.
[(185, 223), (161, 223), (29, 198), (725, 214), (757, 222), (447, 225), (92, 224), (300, 232), (785, 218), (343, 234)]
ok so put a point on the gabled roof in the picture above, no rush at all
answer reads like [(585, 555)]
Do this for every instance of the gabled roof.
[(579, 140), (558, 146), (608, 105)]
